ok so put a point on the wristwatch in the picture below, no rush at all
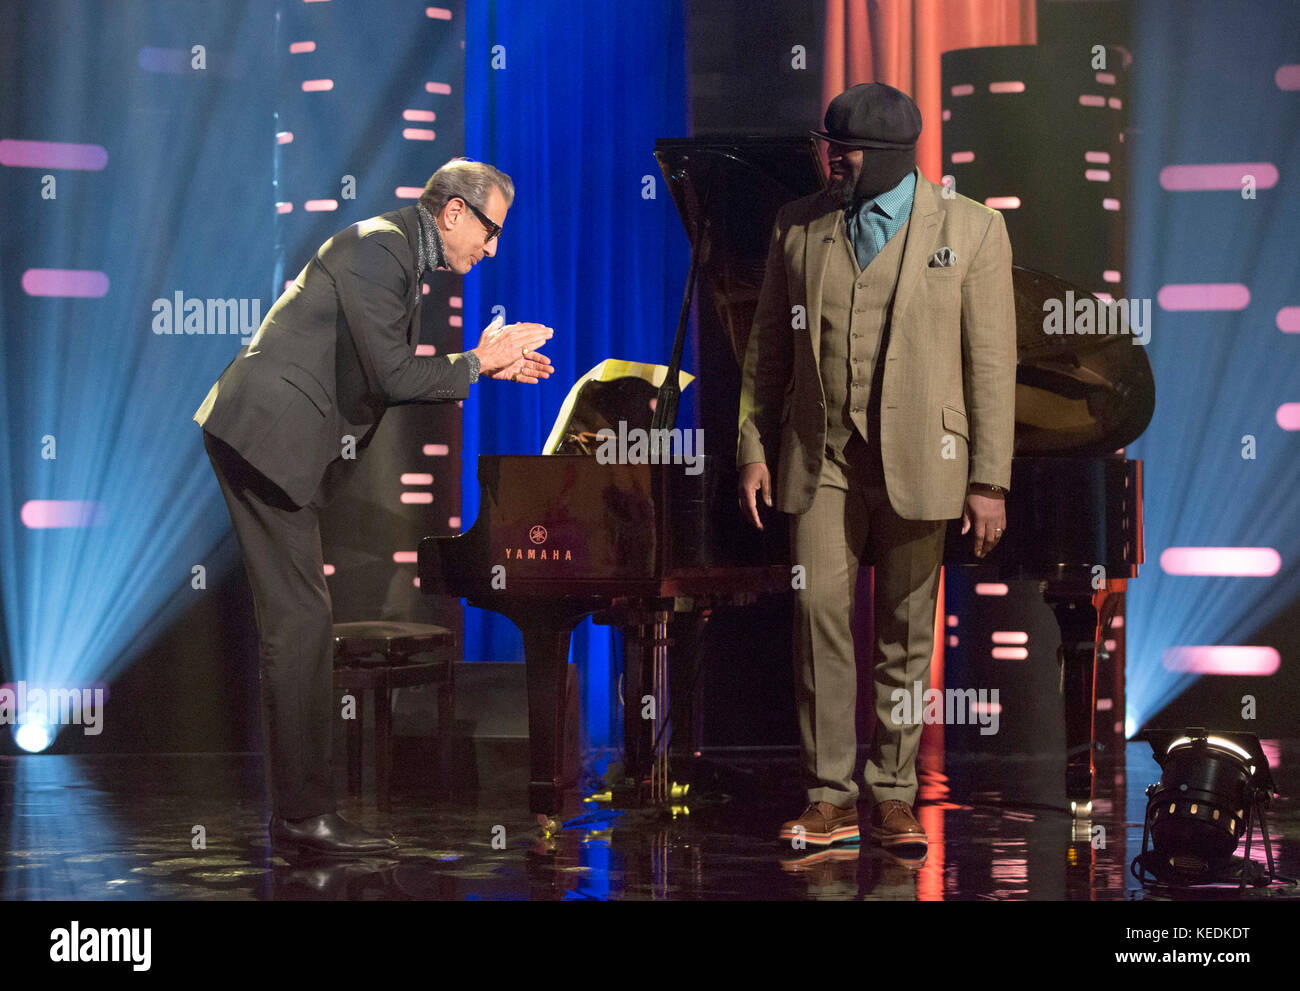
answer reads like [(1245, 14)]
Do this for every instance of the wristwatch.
[(986, 487)]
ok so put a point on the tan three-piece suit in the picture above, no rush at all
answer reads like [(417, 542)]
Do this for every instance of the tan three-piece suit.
[(875, 396)]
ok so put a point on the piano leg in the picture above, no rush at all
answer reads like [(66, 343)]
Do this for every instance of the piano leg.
[(546, 632), (1076, 616)]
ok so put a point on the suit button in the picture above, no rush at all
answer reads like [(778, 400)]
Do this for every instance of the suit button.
[(821, 405)]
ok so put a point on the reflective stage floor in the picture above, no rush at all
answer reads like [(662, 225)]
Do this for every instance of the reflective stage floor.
[(193, 827)]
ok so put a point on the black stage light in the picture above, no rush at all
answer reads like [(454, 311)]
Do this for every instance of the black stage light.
[(1213, 788)]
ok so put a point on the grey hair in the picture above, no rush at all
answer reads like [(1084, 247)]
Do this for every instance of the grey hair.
[(467, 179)]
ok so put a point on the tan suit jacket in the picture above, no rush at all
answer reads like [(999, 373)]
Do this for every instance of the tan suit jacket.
[(947, 409)]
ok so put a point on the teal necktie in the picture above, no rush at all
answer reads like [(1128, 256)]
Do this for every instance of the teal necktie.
[(861, 234)]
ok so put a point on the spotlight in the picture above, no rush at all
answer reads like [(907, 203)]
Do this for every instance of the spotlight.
[(1213, 786), (33, 737)]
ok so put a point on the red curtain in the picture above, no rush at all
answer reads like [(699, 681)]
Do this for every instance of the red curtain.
[(899, 42)]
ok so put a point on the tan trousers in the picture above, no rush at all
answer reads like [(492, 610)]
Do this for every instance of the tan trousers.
[(849, 523)]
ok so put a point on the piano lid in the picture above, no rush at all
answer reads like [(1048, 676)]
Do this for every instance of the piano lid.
[(1075, 395), (729, 191)]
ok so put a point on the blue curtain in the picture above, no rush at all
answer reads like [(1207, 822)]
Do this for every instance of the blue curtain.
[(571, 111)]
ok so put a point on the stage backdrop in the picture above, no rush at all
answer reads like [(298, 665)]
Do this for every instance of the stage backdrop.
[(568, 99)]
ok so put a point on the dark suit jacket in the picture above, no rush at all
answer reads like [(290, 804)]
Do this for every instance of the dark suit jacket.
[(335, 351)]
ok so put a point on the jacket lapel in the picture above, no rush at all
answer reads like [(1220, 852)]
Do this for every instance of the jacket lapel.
[(817, 251), (922, 229)]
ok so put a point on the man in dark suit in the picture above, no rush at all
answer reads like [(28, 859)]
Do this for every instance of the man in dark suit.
[(284, 427), (878, 402)]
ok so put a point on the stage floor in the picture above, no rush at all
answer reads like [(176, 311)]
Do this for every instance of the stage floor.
[(127, 828)]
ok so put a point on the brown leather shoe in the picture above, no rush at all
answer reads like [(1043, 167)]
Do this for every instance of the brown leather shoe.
[(823, 824), (893, 824)]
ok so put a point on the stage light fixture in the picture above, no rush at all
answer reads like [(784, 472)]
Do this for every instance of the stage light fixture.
[(1213, 789), (33, 736)]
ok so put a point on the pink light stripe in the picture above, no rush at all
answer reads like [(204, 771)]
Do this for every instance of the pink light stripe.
[(1097, 175), (986, 708), (1225, 175), (317, 85), (1288, 416), (1114, 103), (417, 498), (964, 89), (1288, 319), (453, 522), (1238, 660), (1110, 275), (299, 47), (1106, 78), (425, 350), (440, 88), (59, 514), (961, 157), (1003, 202), (947, 115), (329, 569), (455, 321), (284, 208), (68, 282), (455, 302), (1105, 297), (1287, 77), (405, 557), (52, 155), (1259, 562), (953, 640), (953, 620), (427, 116), (320, 206), (416, 478), (1097, 157), (284, 137), (1105, 705), (1088, 100), (424, 289), (1010, 636), (990, 588), (1010, 653), (408, 192), (438, 13), (1013, 86), (436, 450), (418, 134), (1110, 203), (1204, 296)]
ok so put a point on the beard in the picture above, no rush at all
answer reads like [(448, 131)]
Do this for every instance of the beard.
[(882, 170)]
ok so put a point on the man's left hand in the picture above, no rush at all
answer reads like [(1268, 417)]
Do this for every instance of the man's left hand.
[(530, 369), (988, 515)]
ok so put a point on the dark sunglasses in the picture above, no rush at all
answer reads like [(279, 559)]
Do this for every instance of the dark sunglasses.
[(493, 230)]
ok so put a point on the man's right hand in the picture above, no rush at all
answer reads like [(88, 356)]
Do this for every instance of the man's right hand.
[(753, 477), (500, 347)]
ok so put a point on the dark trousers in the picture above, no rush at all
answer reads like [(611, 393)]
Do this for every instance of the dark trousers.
[(281, 546)]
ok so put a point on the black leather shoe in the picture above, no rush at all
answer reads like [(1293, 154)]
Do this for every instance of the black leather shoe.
[(328, 834)]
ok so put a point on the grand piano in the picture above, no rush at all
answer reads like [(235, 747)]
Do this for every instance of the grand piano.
[(561, 537)]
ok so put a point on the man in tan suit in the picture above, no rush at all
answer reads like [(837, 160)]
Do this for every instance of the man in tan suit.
[(879, 390)]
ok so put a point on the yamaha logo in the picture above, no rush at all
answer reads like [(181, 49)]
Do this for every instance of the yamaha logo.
[(538, 535)]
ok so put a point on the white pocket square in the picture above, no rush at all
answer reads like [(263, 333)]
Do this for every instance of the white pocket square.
[(945, 257)]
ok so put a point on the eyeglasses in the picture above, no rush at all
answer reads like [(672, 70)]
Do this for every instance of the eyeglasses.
[(493, 230)]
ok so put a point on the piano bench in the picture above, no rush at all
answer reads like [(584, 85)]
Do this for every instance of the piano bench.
[(377, 656)]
